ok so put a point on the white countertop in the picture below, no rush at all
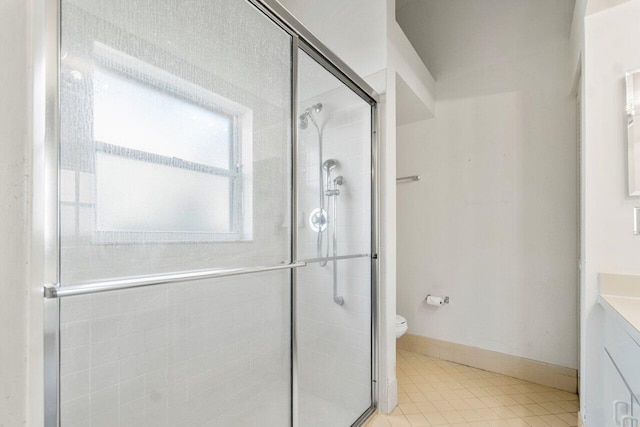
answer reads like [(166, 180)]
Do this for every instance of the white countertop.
[(621, 296)]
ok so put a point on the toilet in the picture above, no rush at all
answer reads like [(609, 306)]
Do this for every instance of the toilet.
[(401, 326)]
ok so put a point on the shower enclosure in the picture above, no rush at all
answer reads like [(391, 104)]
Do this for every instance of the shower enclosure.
[(210, 221)]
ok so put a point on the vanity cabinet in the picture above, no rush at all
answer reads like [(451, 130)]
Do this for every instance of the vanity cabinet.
[(618, 400), (621, 376)]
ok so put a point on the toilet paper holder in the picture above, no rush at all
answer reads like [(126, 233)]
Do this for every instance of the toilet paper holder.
[(445, 300)]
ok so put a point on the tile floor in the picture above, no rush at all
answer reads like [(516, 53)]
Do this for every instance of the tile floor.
[(434, 392)]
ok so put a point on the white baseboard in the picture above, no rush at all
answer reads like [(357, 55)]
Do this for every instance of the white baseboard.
[(522, 368)]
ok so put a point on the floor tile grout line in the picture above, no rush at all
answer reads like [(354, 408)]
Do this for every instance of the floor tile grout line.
[(435, 392)]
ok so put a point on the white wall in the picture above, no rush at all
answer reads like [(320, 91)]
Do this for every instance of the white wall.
[(492, 224), (611, 39), (415, 97), (14, 209), (576, 38)]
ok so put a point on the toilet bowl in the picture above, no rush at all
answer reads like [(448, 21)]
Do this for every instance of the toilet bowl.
[(401, 326)]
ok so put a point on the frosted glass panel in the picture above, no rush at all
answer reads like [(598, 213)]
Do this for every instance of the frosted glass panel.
[(211, 353), (175, 123)]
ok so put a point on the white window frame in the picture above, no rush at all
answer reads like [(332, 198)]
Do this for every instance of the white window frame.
[(241, 170)]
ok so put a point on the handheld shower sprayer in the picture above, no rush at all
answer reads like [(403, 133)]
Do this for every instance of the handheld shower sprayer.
[(328, 166)]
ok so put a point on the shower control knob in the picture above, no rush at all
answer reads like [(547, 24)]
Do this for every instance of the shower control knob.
[(318, 220)]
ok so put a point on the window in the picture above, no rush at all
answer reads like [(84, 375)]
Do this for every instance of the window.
[(168, 157)]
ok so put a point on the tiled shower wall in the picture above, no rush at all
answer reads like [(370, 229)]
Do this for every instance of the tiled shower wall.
[(346, 138), (334, 343), (211, 353)]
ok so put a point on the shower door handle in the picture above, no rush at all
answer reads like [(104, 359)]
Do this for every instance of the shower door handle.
[(57, 291)]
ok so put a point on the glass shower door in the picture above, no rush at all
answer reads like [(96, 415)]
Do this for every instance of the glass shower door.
[(333, 293), (175, 297), (175, 160)]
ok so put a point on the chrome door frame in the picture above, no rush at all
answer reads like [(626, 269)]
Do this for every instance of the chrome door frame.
[(46, 42), (281, 16)]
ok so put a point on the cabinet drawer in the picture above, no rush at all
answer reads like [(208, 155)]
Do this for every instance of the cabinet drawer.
[(625, 353)]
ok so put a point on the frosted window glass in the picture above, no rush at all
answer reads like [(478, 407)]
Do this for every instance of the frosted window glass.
[(135, 195), (171, 144), (131, 114)]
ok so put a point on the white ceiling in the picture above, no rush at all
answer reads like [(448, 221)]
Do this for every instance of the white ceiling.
[(451, 35), (402, 3)]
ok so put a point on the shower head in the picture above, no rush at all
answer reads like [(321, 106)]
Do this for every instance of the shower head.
[(308, 113), (329, 164)]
